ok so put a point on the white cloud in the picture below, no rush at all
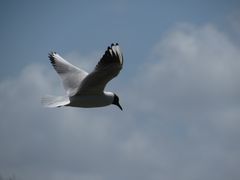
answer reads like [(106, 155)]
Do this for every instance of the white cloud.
[(192, 89), (180, 120), (192, 63)]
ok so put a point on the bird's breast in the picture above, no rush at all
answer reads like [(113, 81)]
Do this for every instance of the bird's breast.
[(90, 100)]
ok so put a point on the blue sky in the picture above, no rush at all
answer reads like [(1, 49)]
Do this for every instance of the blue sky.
[(179, 88), (31, 29)]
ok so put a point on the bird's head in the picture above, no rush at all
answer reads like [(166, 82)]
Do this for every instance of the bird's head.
[(116, 101)]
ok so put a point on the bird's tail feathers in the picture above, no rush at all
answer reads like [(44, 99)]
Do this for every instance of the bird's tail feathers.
[(55, 101)]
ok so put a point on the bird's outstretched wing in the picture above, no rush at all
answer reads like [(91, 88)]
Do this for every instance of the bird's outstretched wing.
[(71, 75), (107, 68)]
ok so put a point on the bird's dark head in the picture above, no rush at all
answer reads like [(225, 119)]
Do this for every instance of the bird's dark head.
[(116, 101)]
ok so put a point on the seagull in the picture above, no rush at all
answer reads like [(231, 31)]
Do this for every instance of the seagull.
[(84, 89)]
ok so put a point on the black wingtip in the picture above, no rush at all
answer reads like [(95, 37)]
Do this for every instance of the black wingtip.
[(51, 57), (107, 52), (116, 44)]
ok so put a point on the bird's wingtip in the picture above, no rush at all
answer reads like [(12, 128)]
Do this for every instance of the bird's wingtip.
[(51, 56)]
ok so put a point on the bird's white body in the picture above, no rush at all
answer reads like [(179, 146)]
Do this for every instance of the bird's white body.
[(88, 101), (86, 89)]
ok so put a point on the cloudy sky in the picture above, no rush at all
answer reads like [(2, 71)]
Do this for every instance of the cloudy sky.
[(180, 90)]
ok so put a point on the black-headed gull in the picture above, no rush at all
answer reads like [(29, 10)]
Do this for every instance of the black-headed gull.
[(86, 89)]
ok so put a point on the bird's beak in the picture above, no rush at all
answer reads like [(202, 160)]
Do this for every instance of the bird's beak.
[(119, 106)]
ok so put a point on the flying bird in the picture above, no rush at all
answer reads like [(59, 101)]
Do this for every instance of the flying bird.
[(86, 89)]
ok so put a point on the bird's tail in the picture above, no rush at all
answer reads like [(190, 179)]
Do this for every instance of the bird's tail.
[(53, 101)]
